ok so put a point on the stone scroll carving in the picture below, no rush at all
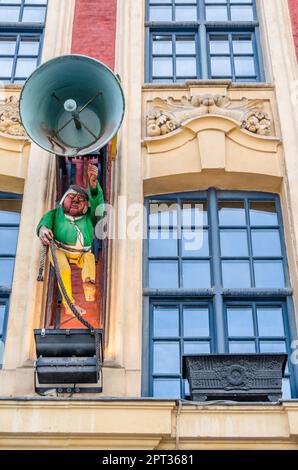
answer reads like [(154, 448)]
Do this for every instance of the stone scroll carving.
[(10, 121), (168, 115)]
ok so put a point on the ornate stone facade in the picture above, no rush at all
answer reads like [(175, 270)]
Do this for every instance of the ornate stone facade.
[(168, 115), (10, 122)]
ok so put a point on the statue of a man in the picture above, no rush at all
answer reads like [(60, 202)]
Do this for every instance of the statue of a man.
[(71, 226)]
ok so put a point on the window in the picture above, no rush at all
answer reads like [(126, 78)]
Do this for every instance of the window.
[(192, 39), (10, 208), (174, 55), (21, 32), (177, 328), (216, 281)]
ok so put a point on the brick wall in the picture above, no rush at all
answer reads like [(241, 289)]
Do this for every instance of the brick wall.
[(95, 29), (94, 33), (293, 5)]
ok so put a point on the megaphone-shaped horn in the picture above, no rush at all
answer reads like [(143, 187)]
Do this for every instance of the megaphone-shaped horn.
[(72, 105)]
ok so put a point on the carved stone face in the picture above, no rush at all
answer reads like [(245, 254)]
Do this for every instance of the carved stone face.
[(75, 204)]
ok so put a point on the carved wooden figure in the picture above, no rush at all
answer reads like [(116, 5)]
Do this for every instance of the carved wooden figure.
[(71, 226)]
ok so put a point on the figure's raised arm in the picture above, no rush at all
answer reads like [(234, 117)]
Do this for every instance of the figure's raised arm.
[(92, 172)]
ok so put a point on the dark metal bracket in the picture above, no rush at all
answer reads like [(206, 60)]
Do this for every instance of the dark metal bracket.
[(71, 389)]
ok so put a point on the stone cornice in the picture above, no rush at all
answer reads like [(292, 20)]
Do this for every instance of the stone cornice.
[(209, 84), (144, 423)]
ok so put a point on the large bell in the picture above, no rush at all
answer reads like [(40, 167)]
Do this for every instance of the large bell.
[(72, 105)]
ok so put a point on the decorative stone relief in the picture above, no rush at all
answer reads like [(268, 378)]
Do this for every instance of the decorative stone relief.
[(252, 376), (10, 121), (167, 115)]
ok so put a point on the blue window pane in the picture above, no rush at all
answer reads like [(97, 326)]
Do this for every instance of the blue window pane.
[(240, 1), (286, 389), (195, 243), (269, 274), (216, 13), (1, 352), (266, 243), (231, 213), (162, 45), (163, 80), (29, 47), (242, 347), (162, 67), (166, 358), (7, 46), (196, 347), (2, 318), (163, 242), (263, 213), (186, 67), (195, 322), (180, 2), (8, 241), (272, 347), (244, 66), (240, 321), (9, 14), (163, 214), (219, 44), (194, 214), (221, 67), (242, 46), (7, 217), (40, 2), (233, 243), (242, 13), (160, 13), (185, 13), (6, 67), (165, 321), (163, 274), (185, 45), (270, 321), (34, 14), (25, 67), (236, 274), (166, 388), (196, 274), (6, 271)]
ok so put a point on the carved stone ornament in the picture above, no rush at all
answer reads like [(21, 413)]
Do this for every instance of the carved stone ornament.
[(234, 376), (10, 122), (167, 115)]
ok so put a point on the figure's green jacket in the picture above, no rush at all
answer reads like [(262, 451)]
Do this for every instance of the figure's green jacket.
[(64, 229)]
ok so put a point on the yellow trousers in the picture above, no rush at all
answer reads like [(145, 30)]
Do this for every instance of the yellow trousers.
[(84, 261)]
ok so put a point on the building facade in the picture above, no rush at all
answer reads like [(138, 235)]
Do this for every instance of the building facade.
[(208, 147)]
